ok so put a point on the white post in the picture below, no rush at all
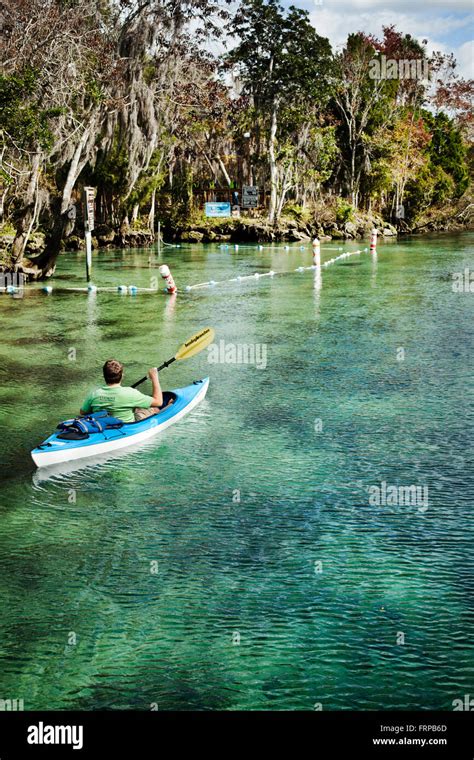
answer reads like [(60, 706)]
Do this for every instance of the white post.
[(159, 236), (373, 241), (316, 251), (89, 208), (88, 239), (317, 263)]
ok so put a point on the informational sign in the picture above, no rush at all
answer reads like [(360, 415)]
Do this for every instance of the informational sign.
[(217, 209), (249, 196), (89, 203)]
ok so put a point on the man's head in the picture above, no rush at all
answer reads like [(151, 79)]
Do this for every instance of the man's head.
[(113, 371)]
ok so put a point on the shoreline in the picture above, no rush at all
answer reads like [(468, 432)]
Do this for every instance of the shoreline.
[(238, 231)]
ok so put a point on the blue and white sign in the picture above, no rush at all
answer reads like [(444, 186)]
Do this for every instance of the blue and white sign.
[(217, 209)]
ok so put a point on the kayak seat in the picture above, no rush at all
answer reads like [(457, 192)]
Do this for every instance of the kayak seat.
[(168, 398)]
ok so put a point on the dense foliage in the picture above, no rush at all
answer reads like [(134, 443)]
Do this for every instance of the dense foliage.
[(125, 95)]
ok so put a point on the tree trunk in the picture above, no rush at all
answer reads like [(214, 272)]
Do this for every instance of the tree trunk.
[(2, 203), (285, 186), (224, 170), (353, 182), (27, 216), (273, 165), (63, 226), (151, 215)]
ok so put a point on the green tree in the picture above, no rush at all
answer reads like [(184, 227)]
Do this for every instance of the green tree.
[(283, 64), (361, 103), (448, 149)]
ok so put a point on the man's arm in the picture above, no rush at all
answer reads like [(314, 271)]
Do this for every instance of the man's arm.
[(156, 388), (86, 408)]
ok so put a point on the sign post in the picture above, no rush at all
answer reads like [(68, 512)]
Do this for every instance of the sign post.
[(249, 196), (89, 207)]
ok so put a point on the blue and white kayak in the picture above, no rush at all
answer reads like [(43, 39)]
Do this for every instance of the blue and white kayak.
[(55, 450)]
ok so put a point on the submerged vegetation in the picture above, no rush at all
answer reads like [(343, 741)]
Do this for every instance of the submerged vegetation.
[(125, 96)]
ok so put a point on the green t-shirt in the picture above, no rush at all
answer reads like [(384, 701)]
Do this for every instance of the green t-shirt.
[(118, 401)]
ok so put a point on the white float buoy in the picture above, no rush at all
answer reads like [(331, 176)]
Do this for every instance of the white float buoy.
[(92, 288), (188, 287), (122, 289), (46, 289), (168, 278), (132, 289), (236, 247), (260, 247)]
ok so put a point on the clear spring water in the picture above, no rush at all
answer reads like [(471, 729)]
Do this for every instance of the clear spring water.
[(129, 584)]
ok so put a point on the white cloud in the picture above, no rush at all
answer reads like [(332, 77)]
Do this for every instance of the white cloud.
[(393, 6), (331, 24), (336, 26), (465, 58)]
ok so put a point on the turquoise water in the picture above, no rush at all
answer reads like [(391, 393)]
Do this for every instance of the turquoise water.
[(278, 585)]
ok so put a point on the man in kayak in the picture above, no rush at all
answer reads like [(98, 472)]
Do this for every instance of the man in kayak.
[(128, 404)]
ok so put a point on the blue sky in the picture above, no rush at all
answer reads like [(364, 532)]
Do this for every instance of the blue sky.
[(448, 25)]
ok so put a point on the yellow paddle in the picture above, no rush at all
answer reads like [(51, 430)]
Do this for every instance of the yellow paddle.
[(192, 347)]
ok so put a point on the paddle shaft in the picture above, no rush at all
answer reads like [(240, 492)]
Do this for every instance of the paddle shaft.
[(162, 366), (192, 347)]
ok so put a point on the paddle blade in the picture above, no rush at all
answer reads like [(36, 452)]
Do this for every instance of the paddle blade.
[(195, 344)]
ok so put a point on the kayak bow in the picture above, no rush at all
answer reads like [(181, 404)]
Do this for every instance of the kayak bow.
[(55, 450)]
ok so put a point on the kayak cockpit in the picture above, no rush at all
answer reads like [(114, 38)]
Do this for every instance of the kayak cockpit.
[(169, 398)]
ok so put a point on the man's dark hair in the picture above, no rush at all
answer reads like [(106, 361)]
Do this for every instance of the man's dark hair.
[(113, 371)]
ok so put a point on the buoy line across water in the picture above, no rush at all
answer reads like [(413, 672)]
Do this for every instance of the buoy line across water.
[(258, 275), (48, 289), (271, 246), (171, 287)]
